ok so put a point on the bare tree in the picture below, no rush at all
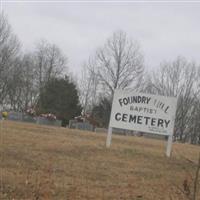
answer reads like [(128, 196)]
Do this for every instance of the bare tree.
[(28, 74), (195, 114), (88, 87), (49, 60), (178, 79), (9, 50), (14, 86), (119, 63)]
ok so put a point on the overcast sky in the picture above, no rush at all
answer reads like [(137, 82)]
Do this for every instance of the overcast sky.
[(164, 30)]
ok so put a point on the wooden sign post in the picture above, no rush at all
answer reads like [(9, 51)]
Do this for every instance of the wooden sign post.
[(109, 137)]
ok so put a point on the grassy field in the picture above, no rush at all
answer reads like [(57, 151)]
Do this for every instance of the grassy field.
[(43, 162)]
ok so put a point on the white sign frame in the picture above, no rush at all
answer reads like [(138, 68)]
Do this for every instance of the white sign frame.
[(143, 112)]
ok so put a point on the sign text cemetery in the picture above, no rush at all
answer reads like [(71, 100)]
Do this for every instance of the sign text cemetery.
[(142, 112)]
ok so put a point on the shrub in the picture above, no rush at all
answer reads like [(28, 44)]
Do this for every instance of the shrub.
[(5, 115)]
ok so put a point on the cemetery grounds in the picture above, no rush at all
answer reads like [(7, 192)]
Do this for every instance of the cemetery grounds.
[(45, 162)]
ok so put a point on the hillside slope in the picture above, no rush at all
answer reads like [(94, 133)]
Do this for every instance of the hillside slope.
[(43, 162)]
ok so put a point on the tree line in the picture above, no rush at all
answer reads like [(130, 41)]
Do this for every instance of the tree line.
[(40, 79), (25, 78)]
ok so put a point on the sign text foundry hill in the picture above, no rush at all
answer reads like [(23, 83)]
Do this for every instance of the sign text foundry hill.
[(143, 112)]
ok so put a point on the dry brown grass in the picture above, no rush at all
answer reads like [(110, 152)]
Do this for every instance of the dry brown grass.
[(43, 162)]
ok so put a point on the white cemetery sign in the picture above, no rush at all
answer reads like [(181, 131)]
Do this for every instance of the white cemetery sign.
[(143, 112)]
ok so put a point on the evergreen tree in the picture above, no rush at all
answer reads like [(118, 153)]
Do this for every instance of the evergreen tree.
[(59, 97)]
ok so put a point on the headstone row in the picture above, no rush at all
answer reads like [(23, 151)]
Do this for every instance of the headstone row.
[(80, 125), (18, 116)]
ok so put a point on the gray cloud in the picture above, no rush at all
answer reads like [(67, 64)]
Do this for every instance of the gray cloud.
[(164, 30)]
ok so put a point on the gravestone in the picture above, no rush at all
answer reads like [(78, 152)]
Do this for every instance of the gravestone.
[(84, 126), (28, 118), (72, 123), (15, 116), (44, 121)]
